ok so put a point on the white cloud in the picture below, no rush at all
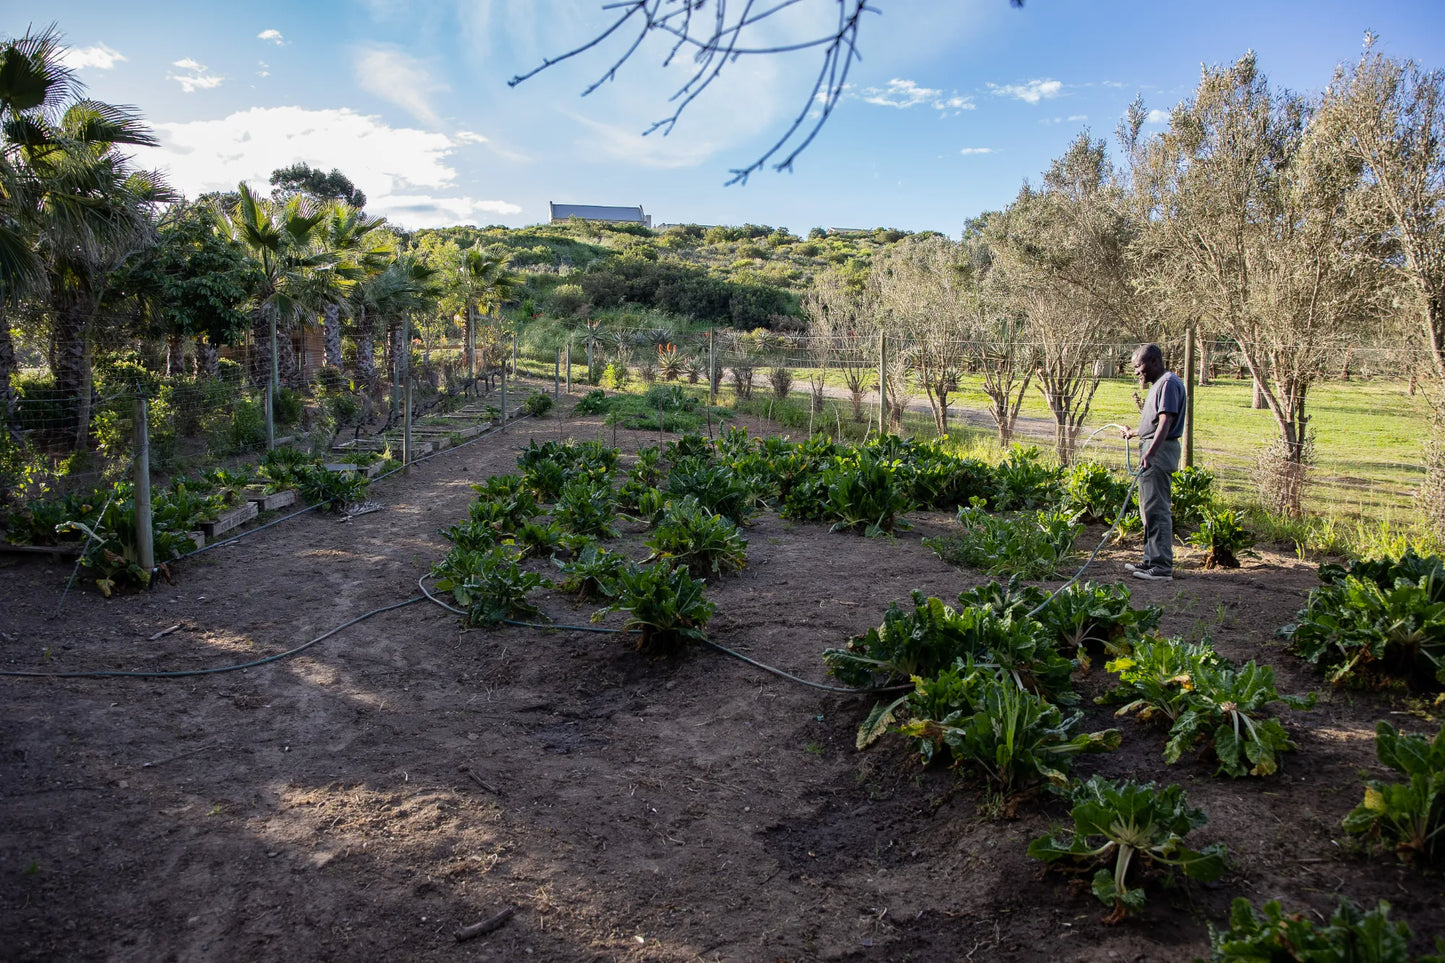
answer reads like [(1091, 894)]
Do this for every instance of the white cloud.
[(651, 150), (99, 57), (1157, 116), (470, 137), (907, 93), (1031, 92), (197, 78), (396, 167), (398, 79), (969, 151), (263, 69), (274, 36)]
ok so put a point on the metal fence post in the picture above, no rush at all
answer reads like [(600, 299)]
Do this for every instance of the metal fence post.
[(504, 399), (404, 365), (569, 366), (1189, 370), (882, 382), (272, 387), (144, 534), (557, 375)]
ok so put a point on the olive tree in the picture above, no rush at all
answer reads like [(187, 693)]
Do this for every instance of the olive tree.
[(1255, 225)]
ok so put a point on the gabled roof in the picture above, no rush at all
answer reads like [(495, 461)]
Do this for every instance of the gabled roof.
[(596, 212)]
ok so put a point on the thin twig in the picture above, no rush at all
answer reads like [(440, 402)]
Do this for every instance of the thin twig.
[(485, 926)]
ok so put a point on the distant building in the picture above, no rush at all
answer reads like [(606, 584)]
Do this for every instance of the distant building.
[(562, 213)]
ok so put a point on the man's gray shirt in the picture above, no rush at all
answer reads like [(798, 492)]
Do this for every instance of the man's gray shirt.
[(1165, 397)]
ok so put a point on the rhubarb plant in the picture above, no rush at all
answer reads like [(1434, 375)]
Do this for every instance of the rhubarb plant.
[(1377, 620), (1092, 621), (665, 606), (691, 536), (1027, 544), (1407, 815), (1127, 823), (488, 584), (1016, 738), (1210, 704), (1352, 935), (589, 575)]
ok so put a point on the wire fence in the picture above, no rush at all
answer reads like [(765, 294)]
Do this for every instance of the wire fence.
[(1370, 425)]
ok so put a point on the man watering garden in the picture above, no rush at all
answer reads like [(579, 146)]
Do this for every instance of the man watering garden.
[(1161, 423)]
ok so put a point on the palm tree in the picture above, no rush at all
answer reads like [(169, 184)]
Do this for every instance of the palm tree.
[(485, 284), (349, 234), (71, 209), (284, 241)]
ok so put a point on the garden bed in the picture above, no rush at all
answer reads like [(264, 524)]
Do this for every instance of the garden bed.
[(409, 777)]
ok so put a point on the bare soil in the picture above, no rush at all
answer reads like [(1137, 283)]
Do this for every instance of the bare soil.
[(407, 777)]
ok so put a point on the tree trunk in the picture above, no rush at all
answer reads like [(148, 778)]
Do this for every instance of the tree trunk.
[(1258, 402), (259, 359), (70, 362), (9, 399), (332, 327), (289, 368), (208, 358), (1206, 350)]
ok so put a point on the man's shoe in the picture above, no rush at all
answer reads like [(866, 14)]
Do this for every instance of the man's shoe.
[(1153, 574), (1131, 567)]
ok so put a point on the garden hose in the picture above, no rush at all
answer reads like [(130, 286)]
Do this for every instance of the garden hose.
[(219, 669), (1118, 516), (846, 690)]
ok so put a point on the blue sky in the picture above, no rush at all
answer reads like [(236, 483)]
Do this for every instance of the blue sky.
[(953, 105)]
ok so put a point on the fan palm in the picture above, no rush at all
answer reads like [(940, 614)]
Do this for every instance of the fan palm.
[(71, 208), (485, 283), (285, 243), (363, 252)]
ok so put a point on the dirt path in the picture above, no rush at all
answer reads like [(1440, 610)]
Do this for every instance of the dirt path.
[(407, 777)]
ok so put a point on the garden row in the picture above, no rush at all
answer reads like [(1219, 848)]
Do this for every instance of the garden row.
[(101, 525), (986, 688)]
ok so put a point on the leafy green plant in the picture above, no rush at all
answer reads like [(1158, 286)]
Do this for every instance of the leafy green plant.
[(1157, 677), (537, 404), (863, 494), (320, 485), (1376, 620), (1023, 482), (534, 539), (587, 507), (664, 605), (592, 572), (1015, 737), (1223, 538), (1210, 704), (716, 487), (1091, 492), (593, 402), (1091, 620), (1026, 544), (1352, 935), (488, 584), (1126, 823), (471, 535), (1191, 495), (546, 479), (503, 504), (691, 536), (111, 552), (1408, 815), (1225, 713)]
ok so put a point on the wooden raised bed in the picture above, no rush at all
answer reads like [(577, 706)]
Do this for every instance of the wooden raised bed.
[(232, 518), (273, 501)]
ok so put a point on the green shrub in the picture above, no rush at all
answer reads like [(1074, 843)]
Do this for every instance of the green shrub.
[(488, 584), (537, 404), (1377, 620), (592, 403)]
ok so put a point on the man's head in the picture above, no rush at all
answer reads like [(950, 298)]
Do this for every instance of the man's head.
[(1148, 363)]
